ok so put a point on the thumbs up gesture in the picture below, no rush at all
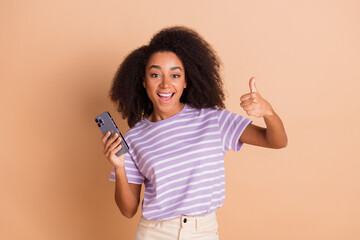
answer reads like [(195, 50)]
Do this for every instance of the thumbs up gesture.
[(253, 104)]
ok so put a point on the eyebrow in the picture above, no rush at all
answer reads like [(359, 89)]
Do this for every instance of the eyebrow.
[(158, 67)]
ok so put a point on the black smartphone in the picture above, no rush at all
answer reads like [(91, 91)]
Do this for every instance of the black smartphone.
[(106, 124)]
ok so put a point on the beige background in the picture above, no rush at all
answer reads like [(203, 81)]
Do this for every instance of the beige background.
[(57, 60)]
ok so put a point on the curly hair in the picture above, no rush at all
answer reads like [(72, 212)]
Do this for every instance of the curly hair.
[(202, 74)]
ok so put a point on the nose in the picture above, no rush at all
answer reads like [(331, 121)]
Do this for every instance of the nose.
[(165, 81)]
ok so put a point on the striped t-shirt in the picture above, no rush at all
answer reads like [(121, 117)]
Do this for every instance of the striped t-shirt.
[(180, 160)]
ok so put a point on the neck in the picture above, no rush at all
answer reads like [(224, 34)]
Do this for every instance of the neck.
[(158, 115)]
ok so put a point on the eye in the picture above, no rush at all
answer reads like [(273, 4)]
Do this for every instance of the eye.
[(155, 75), (175, 76)]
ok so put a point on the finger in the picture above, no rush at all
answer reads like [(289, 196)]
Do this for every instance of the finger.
[(250, 107), (253, 112), (253, 99), (245, 97), (116, 143), (246, 103), (115, 150), (250, 113), (105, 137), (252, 85), (110, 141), (111, 147)]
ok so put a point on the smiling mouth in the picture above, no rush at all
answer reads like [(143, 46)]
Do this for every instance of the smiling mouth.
[(165, 97)]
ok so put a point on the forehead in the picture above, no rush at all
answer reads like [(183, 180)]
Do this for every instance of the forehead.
[(164, 59)]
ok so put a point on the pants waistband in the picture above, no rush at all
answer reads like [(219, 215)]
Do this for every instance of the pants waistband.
[(189, 222)]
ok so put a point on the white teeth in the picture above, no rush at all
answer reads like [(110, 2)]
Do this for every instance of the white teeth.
[(165, 95)]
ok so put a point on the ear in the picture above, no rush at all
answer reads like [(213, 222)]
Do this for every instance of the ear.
[(144, 83), (185, 84)]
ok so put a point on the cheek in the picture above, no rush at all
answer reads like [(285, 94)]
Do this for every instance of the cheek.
[(150, 95), (149, 90), (182, 84), (147, 84)]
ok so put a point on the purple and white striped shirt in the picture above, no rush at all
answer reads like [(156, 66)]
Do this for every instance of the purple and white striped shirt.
[(181, 160)]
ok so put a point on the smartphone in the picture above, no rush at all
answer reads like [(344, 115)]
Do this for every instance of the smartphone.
[(106, 124)]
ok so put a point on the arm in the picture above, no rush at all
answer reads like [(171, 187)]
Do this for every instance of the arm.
[(274, 135), (127, 195)]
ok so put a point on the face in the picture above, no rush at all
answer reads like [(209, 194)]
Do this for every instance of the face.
[(164, 81)]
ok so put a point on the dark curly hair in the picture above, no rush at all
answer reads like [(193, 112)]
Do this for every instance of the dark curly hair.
[(202, 74)]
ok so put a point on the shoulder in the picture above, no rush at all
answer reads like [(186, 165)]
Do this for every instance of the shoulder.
[(135, 130)]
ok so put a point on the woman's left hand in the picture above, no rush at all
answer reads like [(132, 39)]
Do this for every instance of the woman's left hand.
[(253, 104)]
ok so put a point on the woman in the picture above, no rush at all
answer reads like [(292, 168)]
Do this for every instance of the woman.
[(171, 93)]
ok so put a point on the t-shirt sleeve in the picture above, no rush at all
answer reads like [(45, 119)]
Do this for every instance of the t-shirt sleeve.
[(231, 127), (132, 172)]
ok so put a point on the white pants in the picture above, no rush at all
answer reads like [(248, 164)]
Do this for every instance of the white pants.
[(202, 228)]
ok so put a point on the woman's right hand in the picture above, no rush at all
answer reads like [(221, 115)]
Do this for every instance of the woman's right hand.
[(112, 146), (127, 195)]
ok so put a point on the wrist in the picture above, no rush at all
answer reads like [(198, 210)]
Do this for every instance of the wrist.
[(119, 168), (270, 113)]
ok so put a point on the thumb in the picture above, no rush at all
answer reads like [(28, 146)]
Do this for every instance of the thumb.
[(252, 85)]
